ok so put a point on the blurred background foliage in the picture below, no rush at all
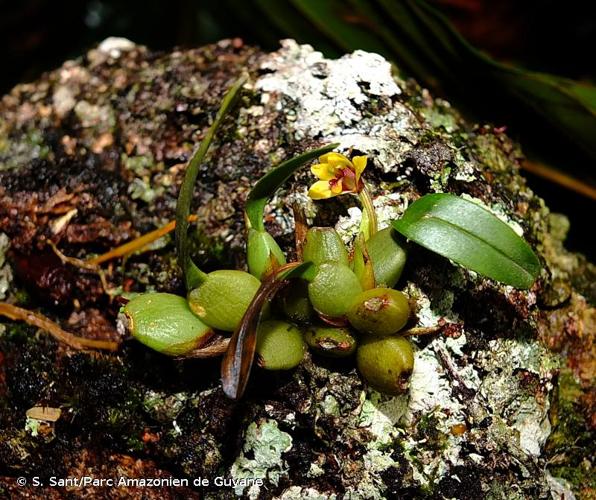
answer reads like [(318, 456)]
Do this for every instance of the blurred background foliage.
[(529, 66)]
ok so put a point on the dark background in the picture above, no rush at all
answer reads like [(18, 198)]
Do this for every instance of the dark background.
[(546, 35)]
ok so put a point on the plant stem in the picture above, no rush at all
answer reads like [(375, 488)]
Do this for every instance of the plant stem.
[(369, 209)]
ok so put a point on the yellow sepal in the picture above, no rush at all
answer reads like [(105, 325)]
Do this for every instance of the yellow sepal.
[(320, 190)]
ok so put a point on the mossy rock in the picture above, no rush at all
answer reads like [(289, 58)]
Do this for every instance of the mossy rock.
[(92, 154)]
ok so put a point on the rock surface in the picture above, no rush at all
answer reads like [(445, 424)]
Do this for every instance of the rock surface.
[(93, 154)]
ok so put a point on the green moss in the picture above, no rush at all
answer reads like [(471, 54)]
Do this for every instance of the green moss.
[(571, 442), (164, 407), (439, 118), (428, 430), (21, 150), (213, 253), (140, 165), (495, 151)]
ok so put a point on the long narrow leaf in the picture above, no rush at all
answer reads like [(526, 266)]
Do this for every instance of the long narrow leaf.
[(471, 236), (192, 274), (567, 105), (328, 17), (289, 21), (272, 180)]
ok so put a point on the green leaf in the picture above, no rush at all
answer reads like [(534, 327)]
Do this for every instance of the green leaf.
[(567, 105), (330, 18), (272, 180), (193, 276), (238, 359), (471, 236), (289, 21)]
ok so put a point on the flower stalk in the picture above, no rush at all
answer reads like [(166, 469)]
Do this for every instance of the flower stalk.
[(369, 212)]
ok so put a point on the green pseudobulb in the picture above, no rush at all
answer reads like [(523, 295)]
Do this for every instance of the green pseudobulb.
[(387, 251), (165, 323), (379, 311), (294, 302), (330, 341), (386, 363), (323, 244), (223, 298), (333, 289), (279, 345)]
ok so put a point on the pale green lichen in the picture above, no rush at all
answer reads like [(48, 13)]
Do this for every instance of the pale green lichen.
[(23, 149), (141, 165), (330, 406), (315, 470), (438, 118), (522, 354), (466, 169), (63, 100), (380, 414), (299, 493), (430, 388), (94, 116), (267, 443), (32, 426), (560, 488), (141, 189), (520, 410), (430, 312), (149, 181), (388, 207), (438, 184)]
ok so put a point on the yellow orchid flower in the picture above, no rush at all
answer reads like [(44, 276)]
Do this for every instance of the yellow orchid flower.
[(337, 175)]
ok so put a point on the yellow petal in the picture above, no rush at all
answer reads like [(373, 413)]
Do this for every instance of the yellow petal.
[(335, 160), (323, 171), (359, 166), (320, 190)]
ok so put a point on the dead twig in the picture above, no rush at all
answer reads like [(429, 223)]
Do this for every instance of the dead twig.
[(44, 323), (137, 243), (300, 228), (421, 330)]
